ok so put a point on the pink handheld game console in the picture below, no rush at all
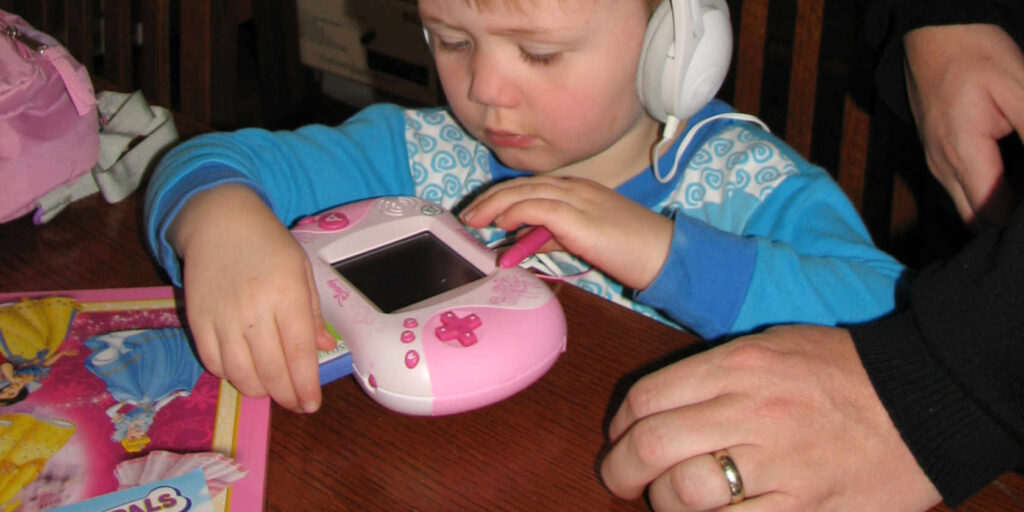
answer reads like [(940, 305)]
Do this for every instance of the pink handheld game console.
[(433, 324)]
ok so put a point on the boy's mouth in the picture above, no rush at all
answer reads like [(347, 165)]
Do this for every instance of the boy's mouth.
[(507, 139)]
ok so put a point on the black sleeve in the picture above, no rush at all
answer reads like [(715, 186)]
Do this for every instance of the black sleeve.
[(950, 370), (885, 22)]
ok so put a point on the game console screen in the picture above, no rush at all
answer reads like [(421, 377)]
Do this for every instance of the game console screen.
[(407, 271)]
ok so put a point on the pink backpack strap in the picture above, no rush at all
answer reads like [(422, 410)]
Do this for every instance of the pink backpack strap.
[(81, 94)]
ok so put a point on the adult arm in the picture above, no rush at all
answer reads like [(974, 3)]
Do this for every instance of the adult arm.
[(948, 370), (889, 415)]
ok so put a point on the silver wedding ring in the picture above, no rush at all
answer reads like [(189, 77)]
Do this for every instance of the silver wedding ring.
[(732, 475)]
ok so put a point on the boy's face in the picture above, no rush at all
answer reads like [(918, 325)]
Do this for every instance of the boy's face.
[(544, 84)]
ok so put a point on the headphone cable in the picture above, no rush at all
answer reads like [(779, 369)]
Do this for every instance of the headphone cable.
[(672, 124)]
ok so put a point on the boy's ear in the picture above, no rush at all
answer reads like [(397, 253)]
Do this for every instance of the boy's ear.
[(686, 55)]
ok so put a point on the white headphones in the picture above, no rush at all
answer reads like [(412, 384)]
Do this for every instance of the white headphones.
[(686, 55)]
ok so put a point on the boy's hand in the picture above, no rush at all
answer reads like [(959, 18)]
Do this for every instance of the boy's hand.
[(250, 299), (624, 239)]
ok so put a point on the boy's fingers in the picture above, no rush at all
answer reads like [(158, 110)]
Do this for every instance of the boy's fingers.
[(499, 198), (207, 348), (269, 362), (303, 369), (297, 331), (551, 213), (324, 339), (513, 183), (238, 365)]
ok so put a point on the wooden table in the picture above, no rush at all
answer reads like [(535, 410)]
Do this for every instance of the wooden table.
[(538, 450)]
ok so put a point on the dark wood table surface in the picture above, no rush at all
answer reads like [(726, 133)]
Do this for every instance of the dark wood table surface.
[(538, 450)]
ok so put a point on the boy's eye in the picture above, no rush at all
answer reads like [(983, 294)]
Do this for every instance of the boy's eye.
[(452, 46), (543, 59)]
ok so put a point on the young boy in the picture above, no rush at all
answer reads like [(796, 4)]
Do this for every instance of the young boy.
[(742, 233)]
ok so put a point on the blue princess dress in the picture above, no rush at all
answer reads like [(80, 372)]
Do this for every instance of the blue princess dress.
[(142, 367)]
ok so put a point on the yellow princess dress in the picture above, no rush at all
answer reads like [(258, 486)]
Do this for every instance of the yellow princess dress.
[(32, 329), (26, 444)]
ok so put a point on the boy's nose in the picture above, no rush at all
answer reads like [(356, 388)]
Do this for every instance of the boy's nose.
[(488, 84)]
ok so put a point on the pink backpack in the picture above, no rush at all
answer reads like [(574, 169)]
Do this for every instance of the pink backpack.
[(49, 128)]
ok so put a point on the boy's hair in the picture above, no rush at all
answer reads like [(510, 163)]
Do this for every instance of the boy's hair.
[(519, 4)]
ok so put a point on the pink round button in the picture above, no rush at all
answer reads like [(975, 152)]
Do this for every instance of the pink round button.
[(410, 323), (412, 358), (373, 382), (305, 221), (408, 337), (332, 221)]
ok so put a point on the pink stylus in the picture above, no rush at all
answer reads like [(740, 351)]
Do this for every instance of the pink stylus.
[(524, 247)]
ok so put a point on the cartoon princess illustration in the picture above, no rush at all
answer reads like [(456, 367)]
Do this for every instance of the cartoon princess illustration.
[(20, 379), (31, 334), (27, 443), (144, 370)]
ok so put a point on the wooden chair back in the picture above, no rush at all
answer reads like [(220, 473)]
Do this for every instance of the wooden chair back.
[(791, 68), (182, 55)]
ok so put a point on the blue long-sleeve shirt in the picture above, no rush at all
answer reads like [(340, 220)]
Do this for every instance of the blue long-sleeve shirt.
[(761, 237)]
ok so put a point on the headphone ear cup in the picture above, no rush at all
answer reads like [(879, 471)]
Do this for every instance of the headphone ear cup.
[(709, 63), (650, 73), (681, 86)]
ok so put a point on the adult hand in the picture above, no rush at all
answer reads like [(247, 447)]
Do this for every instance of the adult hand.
[(795, 410), (966, 89), (621, 237), (249, 297)]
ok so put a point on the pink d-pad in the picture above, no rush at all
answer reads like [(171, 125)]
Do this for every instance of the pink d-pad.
[(453, 327)]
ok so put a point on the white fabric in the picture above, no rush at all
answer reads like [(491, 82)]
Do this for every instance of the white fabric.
[(133, 135)]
